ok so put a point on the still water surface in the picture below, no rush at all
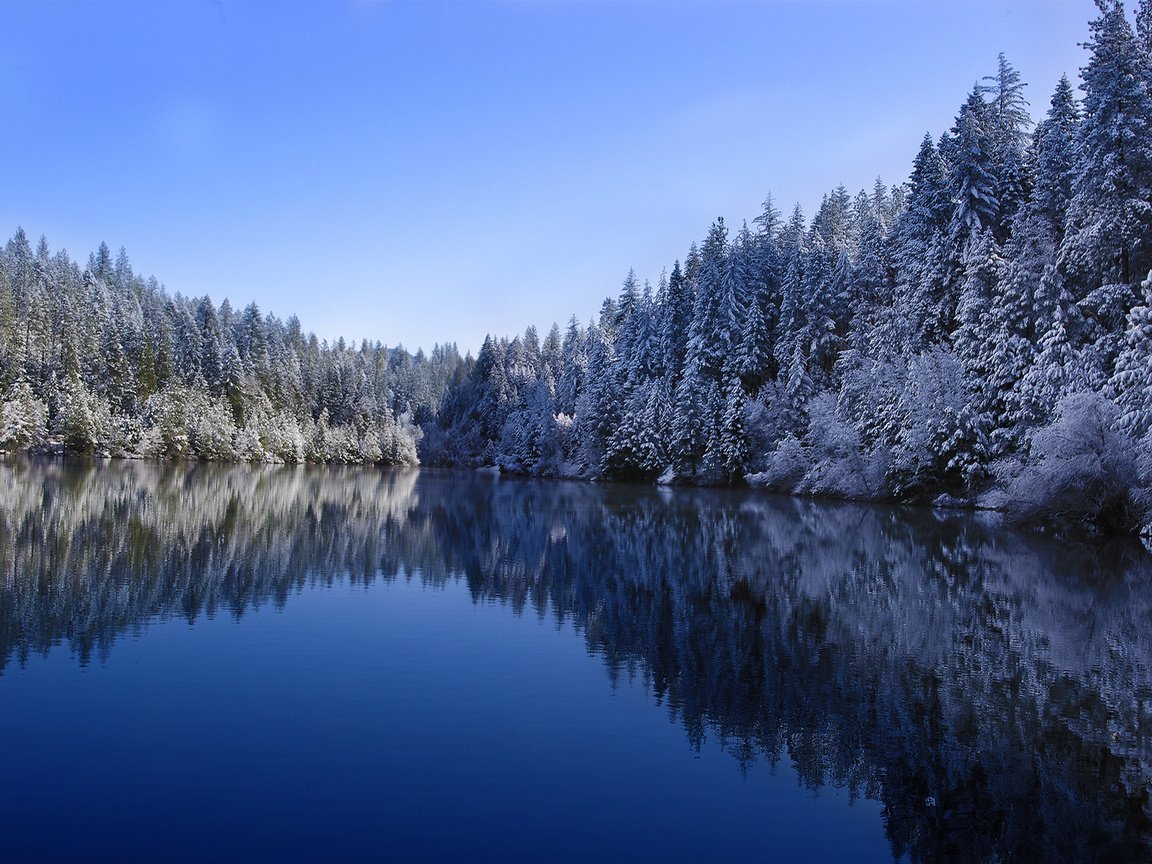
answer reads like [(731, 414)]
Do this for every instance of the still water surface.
[(210, 663)]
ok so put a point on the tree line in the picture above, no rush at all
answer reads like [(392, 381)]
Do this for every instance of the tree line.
[(100, 360)]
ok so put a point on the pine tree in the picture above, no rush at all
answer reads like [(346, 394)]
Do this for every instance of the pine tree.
[(10, 352), (23, 418), (799, 385), (733, 434), (676, 321), (574, 363), (711, 464), (1060, 370), (635, 448), (1018, 318), (552, 358), (1054, 157), (738, 292), (757, 363), (1010, 122), (80, 417), (1144, 26), (1109, 231), (976, 327), (970, 153), (711, 330), (818, 333), (689, 424), (869, 305), (755, 351), (599, 409), (792, 300), (1131, 383), (918, 230)]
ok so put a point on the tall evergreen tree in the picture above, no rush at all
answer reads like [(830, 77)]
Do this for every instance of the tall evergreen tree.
[(1131, 384), (1109, 231), (970, 153), (918, 231), (676, 320), (1054, 158), (1010, 122), (710, 333)]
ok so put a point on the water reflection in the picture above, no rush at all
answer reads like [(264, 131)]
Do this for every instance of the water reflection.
[(989, 688)]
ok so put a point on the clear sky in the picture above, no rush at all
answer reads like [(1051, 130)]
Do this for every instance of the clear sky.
[(431, 172)]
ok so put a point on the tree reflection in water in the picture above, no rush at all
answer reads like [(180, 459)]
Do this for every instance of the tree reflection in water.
[(990, 689)]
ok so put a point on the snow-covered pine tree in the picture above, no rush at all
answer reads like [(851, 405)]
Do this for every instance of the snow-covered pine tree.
[(970, 154), (792, 319), (552, 358), (1109, 226), (676, 320), (733, 438), (818, 333), (917, 232), (1010, 121), (1131, 383), (1054, 159), (599, 408), (738, 293), (710, 333), (1059, 371), (1017, 321), (976, 327), (689, 424), (574, 366), (23, 418)]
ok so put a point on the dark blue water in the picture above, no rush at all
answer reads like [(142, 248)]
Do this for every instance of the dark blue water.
[(268, 664)]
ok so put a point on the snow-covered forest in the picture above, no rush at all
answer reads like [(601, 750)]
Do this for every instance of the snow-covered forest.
[(983, 330), (98, 359)]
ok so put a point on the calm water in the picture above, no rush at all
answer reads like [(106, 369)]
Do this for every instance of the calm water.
[(213, 663)]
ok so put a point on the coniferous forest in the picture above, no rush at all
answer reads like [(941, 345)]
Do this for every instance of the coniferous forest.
[(979, 334)]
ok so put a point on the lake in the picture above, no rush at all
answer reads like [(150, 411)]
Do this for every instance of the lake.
[(233, 663)]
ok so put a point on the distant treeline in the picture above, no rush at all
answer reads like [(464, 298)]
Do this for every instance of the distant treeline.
[(982, 330), (101, 360)]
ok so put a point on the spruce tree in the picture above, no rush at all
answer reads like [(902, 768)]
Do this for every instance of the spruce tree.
[(1131, 383), (1109, 230)]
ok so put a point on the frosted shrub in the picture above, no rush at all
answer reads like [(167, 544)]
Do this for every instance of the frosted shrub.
[(832, 461), (765, 419), (210, 428), (126, 433), (1082, 471), (151, 443), (284, 440), (367, 445), (23, 418), (404, 439), (785, 467), (166, 424), (838, 462), (941, 443), (339, 445), (247, 447)]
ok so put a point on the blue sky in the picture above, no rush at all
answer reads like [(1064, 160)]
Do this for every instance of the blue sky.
[(431, 172)]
